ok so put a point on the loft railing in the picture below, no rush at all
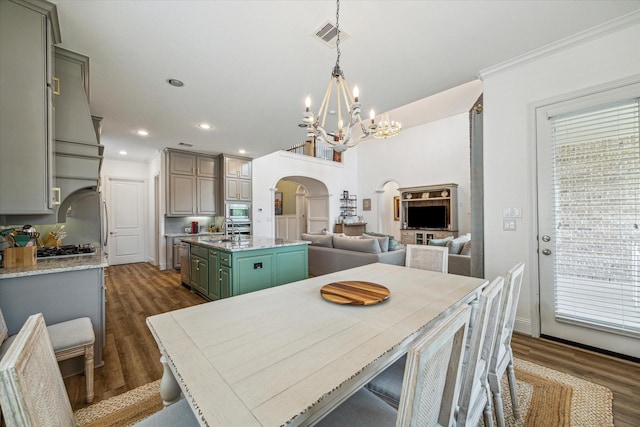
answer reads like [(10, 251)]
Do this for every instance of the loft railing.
[(314, 149)]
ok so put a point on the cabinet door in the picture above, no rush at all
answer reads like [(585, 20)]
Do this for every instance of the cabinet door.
[(182, 190), (199, 274), (237, 168), (225, 281), (25, 110), (238, 189), (182, 163), (244, 187), (206, 166), (206, 200)]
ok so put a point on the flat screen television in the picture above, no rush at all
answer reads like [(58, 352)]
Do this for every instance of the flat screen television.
[(427, 217)]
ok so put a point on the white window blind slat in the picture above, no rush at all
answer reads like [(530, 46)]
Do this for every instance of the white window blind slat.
[(596, 184)]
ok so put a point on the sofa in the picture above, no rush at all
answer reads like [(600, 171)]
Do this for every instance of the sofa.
[(330, 253), (459, 253)]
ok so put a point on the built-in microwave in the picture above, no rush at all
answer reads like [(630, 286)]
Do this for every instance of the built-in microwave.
[(238, 210)]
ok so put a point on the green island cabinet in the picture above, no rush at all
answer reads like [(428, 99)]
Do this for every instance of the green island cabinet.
[(220, 273)]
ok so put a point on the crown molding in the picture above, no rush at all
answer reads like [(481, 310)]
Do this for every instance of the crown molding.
[(608, 27)]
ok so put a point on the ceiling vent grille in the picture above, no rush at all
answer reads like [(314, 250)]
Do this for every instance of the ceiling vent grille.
[(327, 33), (184, 144)]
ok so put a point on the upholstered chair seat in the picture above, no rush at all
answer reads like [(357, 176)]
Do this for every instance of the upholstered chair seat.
[(69, 339)]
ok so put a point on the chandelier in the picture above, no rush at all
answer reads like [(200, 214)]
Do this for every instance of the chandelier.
[(387, 127), (341, 138)]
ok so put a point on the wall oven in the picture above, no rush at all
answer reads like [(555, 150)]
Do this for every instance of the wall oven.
[(238, 218), (238, 211)]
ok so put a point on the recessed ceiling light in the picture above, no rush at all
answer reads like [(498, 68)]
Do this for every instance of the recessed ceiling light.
[(205, 126), (142, 132), (175, 82), (124, 153), (242, 151)]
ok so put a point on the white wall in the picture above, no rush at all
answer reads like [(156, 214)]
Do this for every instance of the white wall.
[(509, 162), (429, 154), (269, 169)]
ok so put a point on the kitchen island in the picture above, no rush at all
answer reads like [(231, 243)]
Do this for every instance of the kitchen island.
[(222, 267), (61, 289)]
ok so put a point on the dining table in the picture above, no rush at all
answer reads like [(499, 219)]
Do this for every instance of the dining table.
[(288, 355)]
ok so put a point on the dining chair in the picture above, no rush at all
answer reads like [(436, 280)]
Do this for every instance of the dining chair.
[(502, 358), (70, 339), (32, 391), (475, 396), (431, 382), (425, 257)]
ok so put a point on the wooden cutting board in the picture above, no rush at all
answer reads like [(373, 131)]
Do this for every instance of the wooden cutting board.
[(355, 292)]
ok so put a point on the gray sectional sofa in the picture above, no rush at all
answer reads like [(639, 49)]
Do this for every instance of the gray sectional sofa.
[(330, 253)]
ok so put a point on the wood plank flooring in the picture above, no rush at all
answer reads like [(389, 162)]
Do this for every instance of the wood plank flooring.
[(131, 356)]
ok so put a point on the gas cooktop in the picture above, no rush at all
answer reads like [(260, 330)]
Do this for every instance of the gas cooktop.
[(66, 251)]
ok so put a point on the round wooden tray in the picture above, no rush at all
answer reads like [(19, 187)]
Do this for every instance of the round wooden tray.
[(355, 292)]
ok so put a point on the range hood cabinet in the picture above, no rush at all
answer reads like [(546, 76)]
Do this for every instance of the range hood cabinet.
[(78, 154)]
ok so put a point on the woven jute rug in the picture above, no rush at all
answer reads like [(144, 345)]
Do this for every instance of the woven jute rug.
[(546, 398)]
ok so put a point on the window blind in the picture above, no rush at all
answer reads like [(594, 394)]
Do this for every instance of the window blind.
[(596, 208)]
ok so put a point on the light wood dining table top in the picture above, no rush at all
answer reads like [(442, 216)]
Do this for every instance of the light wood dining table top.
[(285, 355)]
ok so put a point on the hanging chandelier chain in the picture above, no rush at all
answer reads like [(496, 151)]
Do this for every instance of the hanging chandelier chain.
[(337, 67)]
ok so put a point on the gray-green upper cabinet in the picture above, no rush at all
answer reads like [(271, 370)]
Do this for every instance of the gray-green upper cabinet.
[(28, 31), (236, 176), (193, 185)]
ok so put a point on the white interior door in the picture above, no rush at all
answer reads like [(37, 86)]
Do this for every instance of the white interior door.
[(589, 218), (126, 226)]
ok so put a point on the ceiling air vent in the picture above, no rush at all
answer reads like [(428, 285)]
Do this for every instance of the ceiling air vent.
[(184, 144), (328, 33)]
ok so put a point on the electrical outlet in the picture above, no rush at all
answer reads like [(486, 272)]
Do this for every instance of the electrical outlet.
[(509, 225)]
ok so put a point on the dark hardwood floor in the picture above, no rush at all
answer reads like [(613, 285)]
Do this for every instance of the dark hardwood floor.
[(131, 356)]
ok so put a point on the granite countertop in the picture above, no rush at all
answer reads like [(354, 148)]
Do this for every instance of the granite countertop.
[(57, 265), (245, 243), (218, 233)]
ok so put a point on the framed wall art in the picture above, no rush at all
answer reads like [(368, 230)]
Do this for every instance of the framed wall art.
[(277, 204), (396, 208)]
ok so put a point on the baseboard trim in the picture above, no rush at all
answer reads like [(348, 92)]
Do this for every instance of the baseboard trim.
[(523, 326)]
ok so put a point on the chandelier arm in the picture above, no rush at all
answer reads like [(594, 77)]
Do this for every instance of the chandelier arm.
[(324, 107)]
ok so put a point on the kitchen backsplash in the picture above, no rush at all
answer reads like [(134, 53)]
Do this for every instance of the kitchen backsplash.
[(178, 225)]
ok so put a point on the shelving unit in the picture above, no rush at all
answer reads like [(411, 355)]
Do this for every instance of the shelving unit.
[(348, 207), (432, 195), (348, 211)]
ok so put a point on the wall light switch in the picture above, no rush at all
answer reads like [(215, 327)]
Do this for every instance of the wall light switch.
[(509, 225)]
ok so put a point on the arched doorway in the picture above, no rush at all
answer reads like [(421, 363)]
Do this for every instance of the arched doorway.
[(304, 206), (386, 220)]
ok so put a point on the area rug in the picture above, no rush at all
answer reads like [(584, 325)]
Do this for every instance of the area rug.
[(122, 410), (546, 397), (551, 398)]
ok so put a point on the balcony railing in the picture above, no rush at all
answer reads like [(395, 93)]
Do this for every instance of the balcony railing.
[(314, 149)]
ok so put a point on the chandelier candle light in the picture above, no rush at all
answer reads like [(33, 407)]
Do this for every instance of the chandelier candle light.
[(341, 138)]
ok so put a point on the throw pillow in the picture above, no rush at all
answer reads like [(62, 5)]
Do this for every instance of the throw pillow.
[(318, 239), (456, 244), (383, 241), (393, 243), (440, 242), (466, 248), (370, 246)]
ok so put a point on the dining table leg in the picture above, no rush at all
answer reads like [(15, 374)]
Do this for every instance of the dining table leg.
[(169, 387)]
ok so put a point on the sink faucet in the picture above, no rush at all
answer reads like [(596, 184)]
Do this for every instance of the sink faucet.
[(227, 220)]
